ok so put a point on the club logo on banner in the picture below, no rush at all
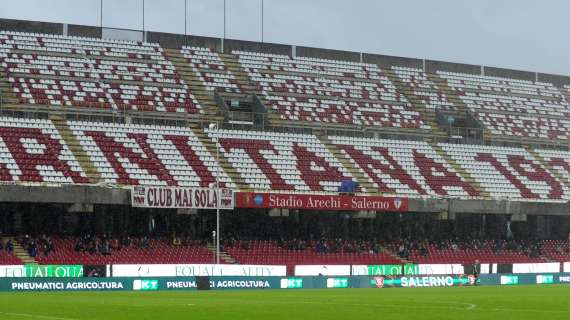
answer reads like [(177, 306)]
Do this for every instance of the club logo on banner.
[(320, 202), (190, 198)]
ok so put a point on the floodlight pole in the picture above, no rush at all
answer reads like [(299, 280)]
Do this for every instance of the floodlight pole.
[(214, 126)]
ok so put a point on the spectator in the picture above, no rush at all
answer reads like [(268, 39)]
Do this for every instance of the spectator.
[(9, 247)]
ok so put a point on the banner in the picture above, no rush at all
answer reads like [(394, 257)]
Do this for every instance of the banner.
[(525, 279), (566, 267), (41, 271), (377, 270), (195, 270), (320, 202), (536, 267), (260, 283), (322, 270), (422, 281), (189, 198), (406, 269), (12, 271), (429, 269), (54, 271)]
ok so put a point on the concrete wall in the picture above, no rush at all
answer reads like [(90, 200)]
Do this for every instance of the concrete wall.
[(171, 40), (93, 195), (65, 194), (433, 65), (83, 31), (31, 26), (390, 61), (557, 80), (231, 44), (509, 73), (328, 54)]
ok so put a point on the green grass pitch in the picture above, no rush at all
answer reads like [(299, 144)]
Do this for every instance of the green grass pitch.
[(459, 303)]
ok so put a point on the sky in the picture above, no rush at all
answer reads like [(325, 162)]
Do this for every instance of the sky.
[(517, 34)]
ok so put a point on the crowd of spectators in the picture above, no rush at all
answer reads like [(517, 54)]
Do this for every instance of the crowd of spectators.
[(105, 244), (36, 246), (525, 247), (7, 246)]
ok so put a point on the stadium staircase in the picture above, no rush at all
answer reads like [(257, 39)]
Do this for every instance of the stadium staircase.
[(462, 109), (197, 88), (222, 161), (428, 116), (345, 160), (246, 86), (224, 256), (462, 172), (75, 147), (21, 253), (7, 96), (564, 92), (547, 165)]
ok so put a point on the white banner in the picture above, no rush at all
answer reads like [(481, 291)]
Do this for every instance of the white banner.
[(322, 270), (431, 269), (195, 270), (15, 271), (190, 198), (536, 267), (566, 267)]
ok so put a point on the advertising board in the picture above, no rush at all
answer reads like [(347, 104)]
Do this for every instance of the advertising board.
[(322, 270), (189, 198), (195, 270), (320, 202)]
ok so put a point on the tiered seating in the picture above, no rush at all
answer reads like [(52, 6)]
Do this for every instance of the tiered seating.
[(425, 89), (329, 91), (556, 250), (158, 251), (281, 161), (148, 154), (210, 69), (8, 258), (559, 160), (466, 255), (85, 72), (32, 151), (510, 173), (513, 107), (411, 168), (269, 252)]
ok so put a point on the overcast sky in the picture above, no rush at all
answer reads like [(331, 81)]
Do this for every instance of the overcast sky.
[(529, 35)]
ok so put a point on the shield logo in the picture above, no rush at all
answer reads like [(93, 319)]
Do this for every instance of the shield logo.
[(397, 203), (379, 281)]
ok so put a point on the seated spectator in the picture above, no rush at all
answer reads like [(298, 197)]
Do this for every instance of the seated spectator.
[(9, 247)]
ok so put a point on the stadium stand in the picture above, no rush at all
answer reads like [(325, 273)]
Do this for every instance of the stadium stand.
[(281, 161), (512, 107), (411, 168), (309, 252), (210, 69), (148, 155), (556, 250), (33, 151), (7, 256), (432, 96), (508, 172), (57, 71), (329, 91), (71, 79), (98, 251), (467, 252)]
